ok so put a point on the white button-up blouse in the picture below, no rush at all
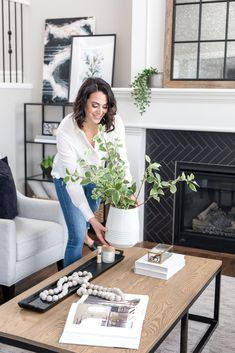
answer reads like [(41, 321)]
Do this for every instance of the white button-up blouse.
[(71, 146)]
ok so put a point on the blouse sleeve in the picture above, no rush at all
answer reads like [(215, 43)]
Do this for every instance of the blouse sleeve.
[(68, 158)]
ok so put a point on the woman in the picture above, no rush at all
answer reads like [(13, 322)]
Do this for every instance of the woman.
[(95, 104)]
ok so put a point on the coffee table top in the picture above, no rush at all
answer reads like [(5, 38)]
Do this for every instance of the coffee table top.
[(167, 301)]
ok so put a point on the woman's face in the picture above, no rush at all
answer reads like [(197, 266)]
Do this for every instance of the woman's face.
[(96, 107)]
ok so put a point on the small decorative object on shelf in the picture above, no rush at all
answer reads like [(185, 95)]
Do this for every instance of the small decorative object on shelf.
[(160, 253), (49, 128), (156, 80), (46, 166)]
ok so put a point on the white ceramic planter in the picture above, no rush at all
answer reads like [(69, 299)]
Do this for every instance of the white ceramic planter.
[(123, 227), (156, 80)]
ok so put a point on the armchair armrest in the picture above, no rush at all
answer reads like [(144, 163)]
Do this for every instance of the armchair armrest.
[(47, 210), (7, 251)]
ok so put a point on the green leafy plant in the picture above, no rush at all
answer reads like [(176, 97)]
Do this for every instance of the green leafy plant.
[(141, 92), (46, 165), (47, 162), (112, 187)]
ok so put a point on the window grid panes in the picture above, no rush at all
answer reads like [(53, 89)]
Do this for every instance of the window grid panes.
[(203, 46)]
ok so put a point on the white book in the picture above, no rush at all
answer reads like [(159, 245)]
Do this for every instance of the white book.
[(45, 138), (160, 275), (98, 322), (172, 262)]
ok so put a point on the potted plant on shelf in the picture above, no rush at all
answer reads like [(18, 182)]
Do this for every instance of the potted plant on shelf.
[(113, 189), (141, 88), (46, 166)]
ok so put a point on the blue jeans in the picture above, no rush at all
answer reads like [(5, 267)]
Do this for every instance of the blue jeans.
[(75, 221)]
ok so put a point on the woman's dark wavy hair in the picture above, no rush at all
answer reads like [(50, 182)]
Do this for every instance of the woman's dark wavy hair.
[(91, 85)]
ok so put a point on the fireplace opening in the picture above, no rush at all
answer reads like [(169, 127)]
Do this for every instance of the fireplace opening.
[(206, 219)]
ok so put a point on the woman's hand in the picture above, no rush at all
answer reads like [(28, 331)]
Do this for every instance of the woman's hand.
[(99, 230)]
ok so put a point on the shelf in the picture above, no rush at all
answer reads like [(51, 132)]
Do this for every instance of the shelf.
[(51, 104), (33, 138), (39, 177), (41, 142)]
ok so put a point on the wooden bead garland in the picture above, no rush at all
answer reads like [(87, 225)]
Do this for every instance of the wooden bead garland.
[(52, 295), (82, 278), (113, 294)]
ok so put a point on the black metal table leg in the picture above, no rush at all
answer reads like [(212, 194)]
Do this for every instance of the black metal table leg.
[(184, 334), (212, 322)]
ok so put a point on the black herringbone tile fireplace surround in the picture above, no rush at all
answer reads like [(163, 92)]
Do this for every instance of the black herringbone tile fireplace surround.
[(169, 146)]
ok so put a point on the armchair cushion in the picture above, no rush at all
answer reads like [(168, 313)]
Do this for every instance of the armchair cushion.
[(34, 236), (8, 204)]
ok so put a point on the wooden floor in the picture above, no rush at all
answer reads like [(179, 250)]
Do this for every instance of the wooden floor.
[(228, 265)]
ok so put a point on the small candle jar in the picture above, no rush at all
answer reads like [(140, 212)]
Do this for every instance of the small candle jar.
[(99, 255), (108, 254)]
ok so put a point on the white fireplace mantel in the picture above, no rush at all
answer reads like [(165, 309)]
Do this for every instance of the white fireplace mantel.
[(194, 94), (173, 109), (181, 109)]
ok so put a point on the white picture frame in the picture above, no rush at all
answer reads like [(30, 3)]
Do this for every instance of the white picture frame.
[(92, 56)]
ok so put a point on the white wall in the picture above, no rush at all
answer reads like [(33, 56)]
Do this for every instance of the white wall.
[(112, 16), (148, 29), (11, 128)]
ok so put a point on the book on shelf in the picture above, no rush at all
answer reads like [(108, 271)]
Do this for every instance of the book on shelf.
[(164, 270), (99, 322), (45, 138)]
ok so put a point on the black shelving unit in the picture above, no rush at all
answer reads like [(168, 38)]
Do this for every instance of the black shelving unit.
[(29, 140)]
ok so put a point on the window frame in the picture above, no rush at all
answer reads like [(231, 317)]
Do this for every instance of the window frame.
[(168, 60)]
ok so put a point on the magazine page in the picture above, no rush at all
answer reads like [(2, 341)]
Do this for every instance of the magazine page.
[(95, 321)]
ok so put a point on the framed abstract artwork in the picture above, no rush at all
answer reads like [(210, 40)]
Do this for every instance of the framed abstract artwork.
[(92, 56), (57, 55)]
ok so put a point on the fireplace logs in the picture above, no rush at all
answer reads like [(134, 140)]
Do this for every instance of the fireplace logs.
[(214, 220)]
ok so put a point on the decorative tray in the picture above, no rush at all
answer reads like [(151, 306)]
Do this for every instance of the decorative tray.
[(33, 302)]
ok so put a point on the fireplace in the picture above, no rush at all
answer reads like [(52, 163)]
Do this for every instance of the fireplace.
[(168, 147), (206, 219)]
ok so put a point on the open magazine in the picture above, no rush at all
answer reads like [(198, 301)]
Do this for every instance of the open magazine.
[(98, 322)]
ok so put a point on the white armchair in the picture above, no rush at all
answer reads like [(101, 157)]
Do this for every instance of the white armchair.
[(31, 241)]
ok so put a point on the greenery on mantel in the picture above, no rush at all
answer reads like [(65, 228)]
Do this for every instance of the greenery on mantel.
[(141, 92), (110, 177)]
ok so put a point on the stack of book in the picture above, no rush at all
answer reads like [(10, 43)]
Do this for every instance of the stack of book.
[(164, 270), (45, 138)]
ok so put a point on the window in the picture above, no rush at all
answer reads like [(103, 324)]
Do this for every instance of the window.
[(200, 43)]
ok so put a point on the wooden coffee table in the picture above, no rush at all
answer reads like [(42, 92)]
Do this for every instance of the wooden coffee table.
[(169, 302)]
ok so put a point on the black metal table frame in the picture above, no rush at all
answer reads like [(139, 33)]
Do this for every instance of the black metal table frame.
[(184, 317)]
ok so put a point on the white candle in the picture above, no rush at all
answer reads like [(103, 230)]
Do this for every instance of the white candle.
[(108, 254)]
